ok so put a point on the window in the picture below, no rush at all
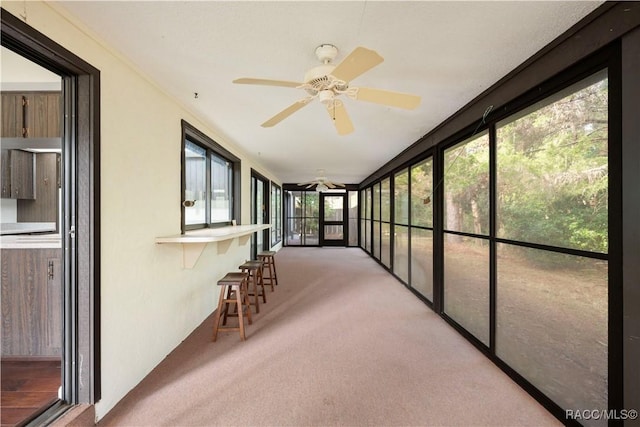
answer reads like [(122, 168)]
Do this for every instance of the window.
[(466, 222), (276, 214), (401, 229), (552, 185), (303, 216), (421, 231), (210, 181), (353, 218)]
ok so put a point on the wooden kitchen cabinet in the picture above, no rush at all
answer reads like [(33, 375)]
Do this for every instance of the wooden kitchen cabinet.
[(31, 115), (6, 174), (18, 170), (12, 113), (44, 208), (31, 302)]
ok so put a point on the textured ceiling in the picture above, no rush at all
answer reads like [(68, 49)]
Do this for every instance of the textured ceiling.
[(445, 52)]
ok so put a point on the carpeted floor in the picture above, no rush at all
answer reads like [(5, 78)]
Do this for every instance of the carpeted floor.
[(340, 342)]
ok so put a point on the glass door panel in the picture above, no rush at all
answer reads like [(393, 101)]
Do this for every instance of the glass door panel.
[(333, 219)]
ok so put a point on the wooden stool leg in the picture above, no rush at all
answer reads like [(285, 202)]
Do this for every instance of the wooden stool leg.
[(228, 291), (256, 296), (268, 266), (261, 282), (216, 322), (247, 301), (240, 310), (275, 273)]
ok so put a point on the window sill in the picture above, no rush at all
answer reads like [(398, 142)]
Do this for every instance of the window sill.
[(194, 242)]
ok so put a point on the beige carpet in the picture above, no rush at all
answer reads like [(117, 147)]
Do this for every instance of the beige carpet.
[(340, 342)]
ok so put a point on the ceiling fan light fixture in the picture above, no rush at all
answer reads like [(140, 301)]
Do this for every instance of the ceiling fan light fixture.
[(321, 187), (326, 96)]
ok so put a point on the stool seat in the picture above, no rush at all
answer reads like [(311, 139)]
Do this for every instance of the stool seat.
[(233, 292), (270, 266), (254, 268)]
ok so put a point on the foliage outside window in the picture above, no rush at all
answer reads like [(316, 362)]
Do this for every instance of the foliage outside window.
[(552, 172), (422, 193), (466, 186), (303, 218), (210, 178)]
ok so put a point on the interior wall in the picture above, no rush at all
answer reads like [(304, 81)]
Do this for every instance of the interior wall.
[(149, 302)]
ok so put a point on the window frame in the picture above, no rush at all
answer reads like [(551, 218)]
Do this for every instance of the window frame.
[(195, 136), (276, 214)]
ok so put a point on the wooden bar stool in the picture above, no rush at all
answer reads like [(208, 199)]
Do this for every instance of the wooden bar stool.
[(233, 293), (270, 265), (254, 268)]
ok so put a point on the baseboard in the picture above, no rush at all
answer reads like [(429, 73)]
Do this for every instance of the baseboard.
[(77, 416)]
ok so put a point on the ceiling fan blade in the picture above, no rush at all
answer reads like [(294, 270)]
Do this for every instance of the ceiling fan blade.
[(358, 62), (385, 97), (311, 185), (266, 82), (286, 113), (340, 118)]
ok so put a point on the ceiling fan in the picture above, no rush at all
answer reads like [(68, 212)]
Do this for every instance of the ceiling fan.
[(328, 82), (321, 183)]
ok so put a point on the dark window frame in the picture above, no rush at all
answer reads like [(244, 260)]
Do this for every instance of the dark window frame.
[(195, 136), (276, 213)]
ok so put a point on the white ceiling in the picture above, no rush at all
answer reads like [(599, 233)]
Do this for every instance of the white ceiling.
[(447, 52)]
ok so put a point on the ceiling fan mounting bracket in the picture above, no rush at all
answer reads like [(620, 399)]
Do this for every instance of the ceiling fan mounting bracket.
[(326, 53)]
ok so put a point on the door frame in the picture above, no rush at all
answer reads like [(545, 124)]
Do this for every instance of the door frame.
[(344, 223), (80, 225), (262, 213)]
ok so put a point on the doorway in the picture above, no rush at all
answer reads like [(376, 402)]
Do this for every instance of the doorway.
[(31, 247), (259, 213), (76, 269), (333, 219)]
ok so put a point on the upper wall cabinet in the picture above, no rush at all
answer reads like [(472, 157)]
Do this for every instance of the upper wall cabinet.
[(31, 114), (18, 174)]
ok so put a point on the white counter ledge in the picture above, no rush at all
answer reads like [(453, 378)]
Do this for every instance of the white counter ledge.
[(35, 241), (193, 242)]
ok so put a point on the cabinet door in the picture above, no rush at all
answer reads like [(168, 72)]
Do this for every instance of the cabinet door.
[(44, 117), (31, 302), (11, 115), (22, 171), (6, 174), (44, 208)]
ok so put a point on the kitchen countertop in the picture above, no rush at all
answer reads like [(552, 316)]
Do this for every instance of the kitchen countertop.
[(27, 227), (37, 241)]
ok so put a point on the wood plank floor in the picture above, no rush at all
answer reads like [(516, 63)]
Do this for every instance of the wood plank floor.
[(28, 387)]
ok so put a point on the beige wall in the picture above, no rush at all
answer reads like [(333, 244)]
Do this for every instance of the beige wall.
[(149, 302)]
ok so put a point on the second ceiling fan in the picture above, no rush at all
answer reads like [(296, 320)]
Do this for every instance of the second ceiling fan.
[(328, 82)]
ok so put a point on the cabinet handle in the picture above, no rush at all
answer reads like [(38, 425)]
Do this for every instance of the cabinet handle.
[(25, 120), (50, 270)]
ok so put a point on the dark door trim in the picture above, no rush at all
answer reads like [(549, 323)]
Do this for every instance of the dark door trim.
[(261, 213), (81, 225)]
